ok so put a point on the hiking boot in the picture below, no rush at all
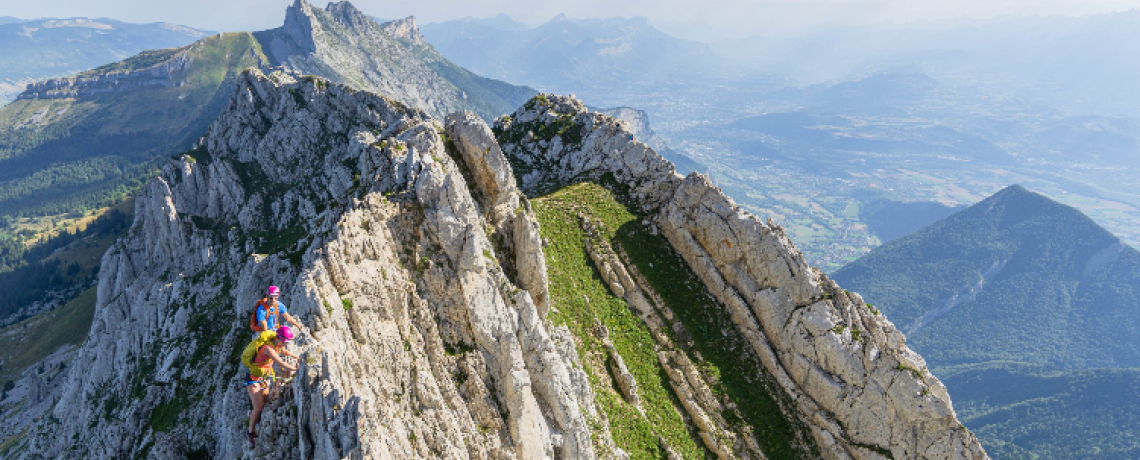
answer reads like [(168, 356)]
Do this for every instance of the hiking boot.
[(252, 439)]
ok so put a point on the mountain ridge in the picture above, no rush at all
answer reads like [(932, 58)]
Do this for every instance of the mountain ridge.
[(51, 47), (425, 336)]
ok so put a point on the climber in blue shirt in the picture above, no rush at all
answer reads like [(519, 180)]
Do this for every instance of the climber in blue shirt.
[(269, 309)]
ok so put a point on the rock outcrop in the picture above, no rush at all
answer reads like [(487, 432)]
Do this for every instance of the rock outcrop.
[(553, 141), (406, 29), (161, 74), (418, 344), (862, 392), (412, 255), (346, 46), (638, 125)]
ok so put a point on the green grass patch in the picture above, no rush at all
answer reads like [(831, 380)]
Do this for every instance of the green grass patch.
[(11, 443), (581, 297), (27, 342), (735, 374), (727, 356)]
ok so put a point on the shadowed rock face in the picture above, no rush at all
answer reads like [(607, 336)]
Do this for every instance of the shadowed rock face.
[(418, 268)]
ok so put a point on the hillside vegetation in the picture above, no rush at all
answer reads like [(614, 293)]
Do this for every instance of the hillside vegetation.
[(1023, 411), (75, 154), (583, 300), (1014, 277), (1026, 308), (25, 343)]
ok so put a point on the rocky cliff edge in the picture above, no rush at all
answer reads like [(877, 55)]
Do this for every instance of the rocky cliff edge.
[(409, 249)]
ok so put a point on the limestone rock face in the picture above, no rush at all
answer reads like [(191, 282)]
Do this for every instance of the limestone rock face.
[(851, 378), (343, 44), (848, 369), (496, 189), (406, 29), (92, 83), (412, 256), (552, 141), (416, 345)]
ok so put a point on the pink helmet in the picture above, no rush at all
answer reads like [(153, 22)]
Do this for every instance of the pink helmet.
[(284, 333), (272, 291)]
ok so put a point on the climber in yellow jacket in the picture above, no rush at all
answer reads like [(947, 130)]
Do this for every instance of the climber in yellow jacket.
[(259, 356)]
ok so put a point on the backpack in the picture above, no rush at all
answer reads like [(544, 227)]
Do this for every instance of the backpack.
[(250, 352), (269, 311)]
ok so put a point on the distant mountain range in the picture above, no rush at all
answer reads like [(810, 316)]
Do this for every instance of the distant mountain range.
[(1083, 63), (1020, 303), (80, 142), (43, 48), (890, 219), (566, 54)]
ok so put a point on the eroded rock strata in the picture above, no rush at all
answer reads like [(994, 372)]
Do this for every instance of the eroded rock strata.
[(409, 249)]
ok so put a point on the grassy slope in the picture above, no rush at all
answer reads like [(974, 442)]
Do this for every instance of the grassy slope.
[(87, 151), (27, 342), (580, 298)]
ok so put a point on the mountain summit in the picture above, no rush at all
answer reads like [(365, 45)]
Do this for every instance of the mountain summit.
[(343, 44), (77, 142), (989, 282)]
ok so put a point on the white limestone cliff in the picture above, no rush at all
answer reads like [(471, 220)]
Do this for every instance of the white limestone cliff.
[(408, 248), (863, 393)]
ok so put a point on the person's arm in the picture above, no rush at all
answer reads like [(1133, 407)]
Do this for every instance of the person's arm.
[(277, 359), (292, 320), (261, 314)]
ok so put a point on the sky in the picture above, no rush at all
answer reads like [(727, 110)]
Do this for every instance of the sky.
[(707, 20)]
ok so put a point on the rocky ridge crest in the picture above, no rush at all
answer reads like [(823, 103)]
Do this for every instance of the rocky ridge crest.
[(346, 46), (862, 392), (162, 74), (410, 249)]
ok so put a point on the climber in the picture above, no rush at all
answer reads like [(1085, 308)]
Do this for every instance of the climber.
[(267, 311), (259, 357)]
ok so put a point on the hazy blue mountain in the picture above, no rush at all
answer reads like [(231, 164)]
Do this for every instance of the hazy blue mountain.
[(564, 54), (890, 219), (1014, 277), (1019, 304), (42, 48)]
